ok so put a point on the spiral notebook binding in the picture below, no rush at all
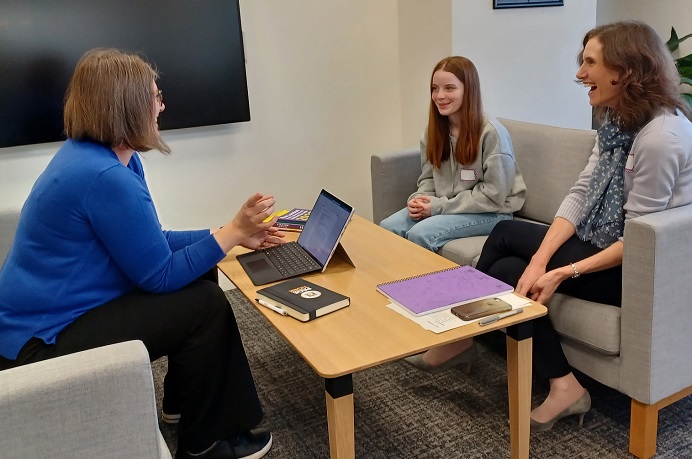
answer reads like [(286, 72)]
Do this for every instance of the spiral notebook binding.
[(419, 275)]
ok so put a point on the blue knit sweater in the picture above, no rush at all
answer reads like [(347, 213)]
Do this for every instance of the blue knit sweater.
[(89, 233)]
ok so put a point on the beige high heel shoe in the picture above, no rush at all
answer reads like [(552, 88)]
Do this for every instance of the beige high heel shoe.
[(465, 357), (580, 407)]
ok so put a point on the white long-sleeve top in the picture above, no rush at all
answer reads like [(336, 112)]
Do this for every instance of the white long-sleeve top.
[(658, 172)]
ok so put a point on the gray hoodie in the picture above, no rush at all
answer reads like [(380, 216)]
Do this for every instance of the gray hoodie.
[(492, 183)]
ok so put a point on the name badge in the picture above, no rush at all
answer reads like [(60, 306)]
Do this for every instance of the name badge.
[(629, 165), (468, 175)]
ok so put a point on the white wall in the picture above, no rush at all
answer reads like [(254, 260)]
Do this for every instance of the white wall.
[(526, 58), (19, 168), (659, 14), (325, 94), (425, 38)]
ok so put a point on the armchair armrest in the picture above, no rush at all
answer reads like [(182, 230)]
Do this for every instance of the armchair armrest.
[(656, 310), (394, 176), (96, 403)]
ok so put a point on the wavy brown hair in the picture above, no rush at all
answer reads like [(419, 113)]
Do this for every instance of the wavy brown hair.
[(647, 72), (110, 100), (471, 111)]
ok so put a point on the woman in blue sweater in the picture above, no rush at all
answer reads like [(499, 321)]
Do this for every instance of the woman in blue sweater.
[(91, 266)]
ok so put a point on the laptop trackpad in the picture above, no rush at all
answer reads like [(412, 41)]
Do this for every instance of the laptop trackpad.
[(258, 268)]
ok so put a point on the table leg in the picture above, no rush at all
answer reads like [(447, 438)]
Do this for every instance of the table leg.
[(339, 392), (519, 363)]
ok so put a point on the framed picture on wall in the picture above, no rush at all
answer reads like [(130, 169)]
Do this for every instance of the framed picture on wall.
[(498, 4)]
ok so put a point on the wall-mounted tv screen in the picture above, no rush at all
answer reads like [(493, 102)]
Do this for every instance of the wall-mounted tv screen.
[(196, 45)]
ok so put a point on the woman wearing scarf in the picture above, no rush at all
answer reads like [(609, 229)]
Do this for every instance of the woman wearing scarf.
[(641, 163)]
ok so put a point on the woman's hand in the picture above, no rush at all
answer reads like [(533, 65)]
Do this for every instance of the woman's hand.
[(248, 226), (532, 283), (528, 279), (546, 285), (264, 239), (250, 218), (419, 207)]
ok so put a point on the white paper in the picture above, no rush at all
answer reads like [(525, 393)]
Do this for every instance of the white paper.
[(440, 321)]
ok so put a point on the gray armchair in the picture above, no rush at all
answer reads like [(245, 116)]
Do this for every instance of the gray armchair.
[(641, 349), (98, 403)]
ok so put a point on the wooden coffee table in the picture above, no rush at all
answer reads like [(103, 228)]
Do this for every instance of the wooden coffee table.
[(368, 333)]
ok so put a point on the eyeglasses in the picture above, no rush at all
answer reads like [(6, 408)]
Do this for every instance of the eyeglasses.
[(159, 96)]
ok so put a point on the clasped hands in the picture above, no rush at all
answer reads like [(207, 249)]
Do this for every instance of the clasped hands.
[(419, 207)]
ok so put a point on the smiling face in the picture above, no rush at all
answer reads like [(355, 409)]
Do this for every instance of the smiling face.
[(158, 103), (447, 93), (594, 74)]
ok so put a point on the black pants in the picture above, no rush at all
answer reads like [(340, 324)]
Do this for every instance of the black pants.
[(505, 256), (195, 327)]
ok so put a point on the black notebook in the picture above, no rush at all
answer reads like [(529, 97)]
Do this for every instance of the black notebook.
[(301, 299)]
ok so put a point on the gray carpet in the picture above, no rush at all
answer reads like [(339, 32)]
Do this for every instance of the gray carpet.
[(401, 412)]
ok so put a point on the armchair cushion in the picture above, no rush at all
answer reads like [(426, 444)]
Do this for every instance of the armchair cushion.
[(463, 251), (593, 325), (550, 159), (98, 403)]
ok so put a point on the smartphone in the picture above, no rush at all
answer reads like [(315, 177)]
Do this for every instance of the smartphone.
[(481, 308)]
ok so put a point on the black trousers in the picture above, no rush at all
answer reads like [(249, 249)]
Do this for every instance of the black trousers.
[(195, 327), (505, 256)]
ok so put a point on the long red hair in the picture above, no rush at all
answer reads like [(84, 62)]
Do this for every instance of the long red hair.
[(471, 111)]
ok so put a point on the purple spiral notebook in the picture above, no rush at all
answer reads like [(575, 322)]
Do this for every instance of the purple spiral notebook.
[(444, 289)]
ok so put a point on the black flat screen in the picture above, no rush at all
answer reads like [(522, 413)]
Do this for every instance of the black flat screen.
[(196, 46)]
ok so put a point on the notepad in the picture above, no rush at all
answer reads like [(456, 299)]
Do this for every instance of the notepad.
[(444, 289)]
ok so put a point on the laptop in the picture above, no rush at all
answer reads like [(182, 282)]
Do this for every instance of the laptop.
[(310, 253)]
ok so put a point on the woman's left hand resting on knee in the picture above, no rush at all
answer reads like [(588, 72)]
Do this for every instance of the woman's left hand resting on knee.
[(248, 227)]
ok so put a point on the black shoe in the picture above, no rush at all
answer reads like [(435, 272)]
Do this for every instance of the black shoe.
[(251, 445)]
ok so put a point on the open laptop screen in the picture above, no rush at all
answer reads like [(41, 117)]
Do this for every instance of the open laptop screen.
[(322, 230)]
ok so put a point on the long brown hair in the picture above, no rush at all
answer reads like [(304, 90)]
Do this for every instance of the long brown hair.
[(471, 111), (647, 73), (110, 100)]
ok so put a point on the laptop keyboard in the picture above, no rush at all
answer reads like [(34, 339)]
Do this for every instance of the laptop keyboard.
[(291, 259)]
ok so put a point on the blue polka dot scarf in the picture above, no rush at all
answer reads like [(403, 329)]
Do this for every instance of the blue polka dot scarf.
[(603, 220)]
